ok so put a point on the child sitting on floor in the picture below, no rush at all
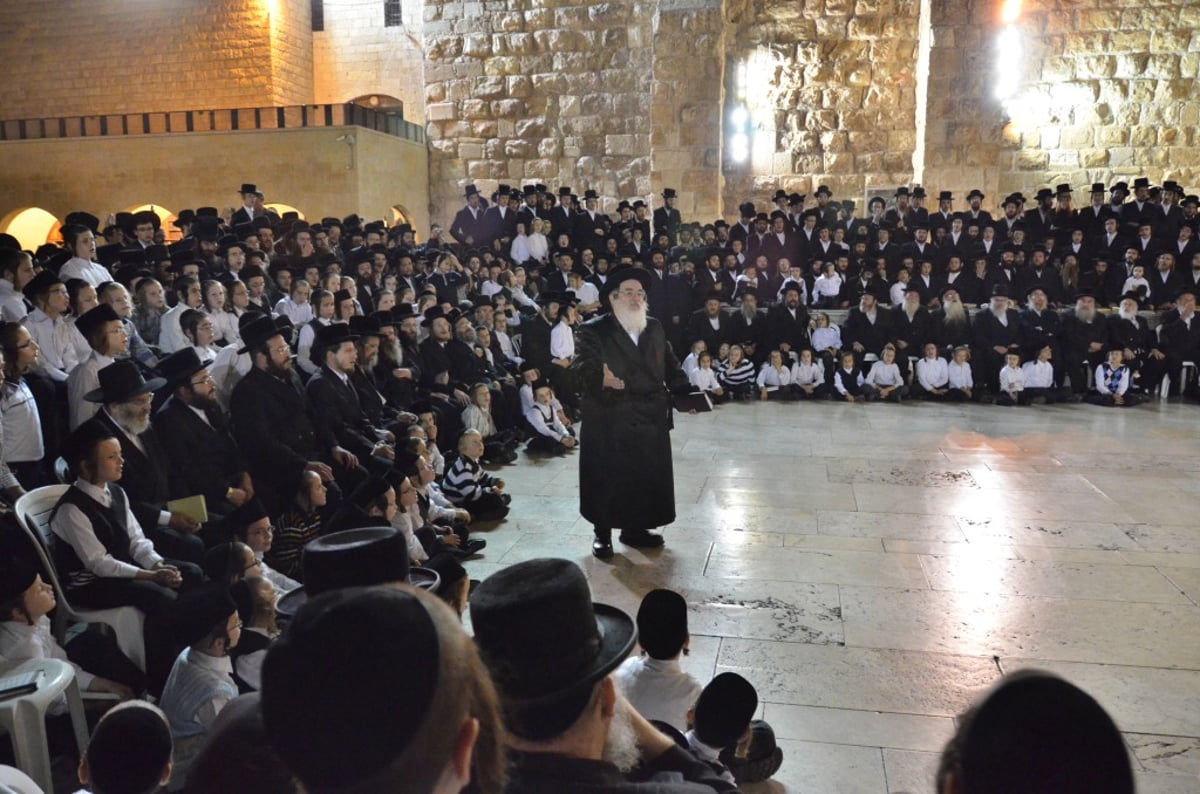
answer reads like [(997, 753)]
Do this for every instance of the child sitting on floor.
[(692, 362), (886, 378), (1012, 382), (774, 379), (1112, 382), (704, 378), (959, 377), (550, 435), (849, 382), (498, 447), (468, 486), (808, 377), (1039, 380), (737, 374), (932, 378)]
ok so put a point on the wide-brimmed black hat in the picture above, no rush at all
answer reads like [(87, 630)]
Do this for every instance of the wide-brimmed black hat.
[(367, 325), (257, 331), (201, 610), (40, 283), (181, 365), (541, 636), (355, 558), (248, 188), (331, 335), (437, 312), (620, 275), (724, 710), (121, 381), (95, 317)]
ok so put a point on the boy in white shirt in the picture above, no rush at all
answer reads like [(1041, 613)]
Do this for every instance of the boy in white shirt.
[(932, 376), (886, 378), (704, 377), (827, 287), (1012, 382), (692, 361), (808, 377), (1039, 380), (960, 381), (654, 683), (550, 434), (774, 379)]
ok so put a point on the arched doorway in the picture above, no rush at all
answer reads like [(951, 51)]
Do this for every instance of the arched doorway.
[(32, 226), (400, 214), (165, 217)]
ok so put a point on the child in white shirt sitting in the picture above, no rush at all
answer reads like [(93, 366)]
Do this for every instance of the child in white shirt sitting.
[(960, 380), (1012, 382), (827, 343), (550, 434), (850, 384), (932, 379), (693, 358), (886, 378), (1039, 380), (808, 378), (827, 287), (774, 379)]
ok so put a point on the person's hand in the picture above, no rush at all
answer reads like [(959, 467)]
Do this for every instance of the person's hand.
[(939, 391), (181, 523), (383, 450), (237, 497), (1095, 347), (1001, 349), (849, 398), (406, 418), (400, 373), (320, 469), (568, 442), (1157, 355), (246, 484), (762, 394), (611, 381), (499, 486), (1118, 399), (450, 539), (858, 348), (463, 516), (785, 347), (166, 576), (562, 362), (105, 685), (462, 397), (344, 457), (902, 344)]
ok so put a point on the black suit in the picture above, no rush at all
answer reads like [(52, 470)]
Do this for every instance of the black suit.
[(1181, 342), (782, 328), (989, 333), (535, 343), (667, 222), (467, 225), (336, 408), (496, 227), (1078, 338), (700, 327), (204, 458)]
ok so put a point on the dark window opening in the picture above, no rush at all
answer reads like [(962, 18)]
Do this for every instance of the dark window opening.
[(391, 14), (318, 15)]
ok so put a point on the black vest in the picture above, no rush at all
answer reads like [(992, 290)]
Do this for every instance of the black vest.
[(250, 642), (108, 525)]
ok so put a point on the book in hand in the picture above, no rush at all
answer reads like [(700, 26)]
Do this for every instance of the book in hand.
[(194, 507), (21, 684)]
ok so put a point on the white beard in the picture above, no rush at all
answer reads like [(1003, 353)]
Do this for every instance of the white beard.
[(999, 314), (632, 320), (130, 423), (1085, 315), (751, 314), (620, 745), (1126, 315), (955, 311)]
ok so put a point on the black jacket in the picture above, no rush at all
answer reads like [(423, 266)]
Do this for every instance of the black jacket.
[(204, 458), (145, 479)]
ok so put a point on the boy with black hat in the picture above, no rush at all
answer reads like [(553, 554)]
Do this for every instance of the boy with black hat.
[(654, 683), (49, 327), (721, 720), (200, 683), (105, 333), (130, 751)]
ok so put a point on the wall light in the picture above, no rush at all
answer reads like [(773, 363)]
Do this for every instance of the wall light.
[(1009, 51)]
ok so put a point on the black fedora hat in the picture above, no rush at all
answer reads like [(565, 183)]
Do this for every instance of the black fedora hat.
[(434, 313), (257, 331), (95, 317), (543, 639), (329, 336), (367, 325), (620, 275), (120, 382), (180, 365), (248, 188), (355, 558)]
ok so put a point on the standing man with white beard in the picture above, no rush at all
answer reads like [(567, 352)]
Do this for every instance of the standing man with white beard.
[(625, 368)]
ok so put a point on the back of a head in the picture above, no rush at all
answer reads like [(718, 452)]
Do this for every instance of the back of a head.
[(662, 624), (724, 710), (1037, 734), (129, 750), (368, 689), (237, 759)]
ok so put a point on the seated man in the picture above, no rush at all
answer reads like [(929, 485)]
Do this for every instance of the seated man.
[(127, 398), (568, 730), (442, 728), (272, 420), (335, 402)]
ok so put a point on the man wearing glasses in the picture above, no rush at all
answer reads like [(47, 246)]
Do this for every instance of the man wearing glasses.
[(625, 368)]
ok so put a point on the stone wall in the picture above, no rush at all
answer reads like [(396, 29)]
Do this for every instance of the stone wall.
[(556, 91), (79, 57), (840, 78), (1110, 92), (356, 55)]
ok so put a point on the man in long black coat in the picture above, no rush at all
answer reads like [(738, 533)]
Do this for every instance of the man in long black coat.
[(1085, 341), (996, 329), (625, 366)]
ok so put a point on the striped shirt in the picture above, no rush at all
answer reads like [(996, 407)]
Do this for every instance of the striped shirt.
[(466, 481)]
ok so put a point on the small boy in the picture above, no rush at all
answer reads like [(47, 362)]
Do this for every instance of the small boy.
[(808, 377), (692, 362), (1039, 380), (130, 750), (849, 382), (1012, 382), (469, 487), (251, 525), (1112, 382), (960, 381), (885, 376), (654, 683), (550, 434), (932, 380), (201, 680), (721, 720)]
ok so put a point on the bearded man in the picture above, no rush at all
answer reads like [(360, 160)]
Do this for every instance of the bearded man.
[(1139, 344), (997, 332), (203, 457), (625, 367), (951, 323), (1085, 338), (748, 329), (126, 397)]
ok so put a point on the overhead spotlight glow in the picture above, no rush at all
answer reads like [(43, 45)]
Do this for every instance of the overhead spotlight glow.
[(739, 147), (739, 117), (1008, 55), (1010, 12)]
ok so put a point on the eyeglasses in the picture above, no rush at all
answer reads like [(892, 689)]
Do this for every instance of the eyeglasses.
[(204, 380), (631, 293), (281, 349)]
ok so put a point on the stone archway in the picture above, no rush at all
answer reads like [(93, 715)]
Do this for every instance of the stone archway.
[(32, 226)]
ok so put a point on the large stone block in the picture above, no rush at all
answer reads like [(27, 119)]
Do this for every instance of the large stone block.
[(440, 111)]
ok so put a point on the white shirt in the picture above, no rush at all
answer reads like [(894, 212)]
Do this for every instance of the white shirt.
[(1038, 374), (885, 375), (770, 378), (960, 375), (562, 341), (704, 379), (933, 373), (304, 345), (71, 525), (197, 689), (658, 689), (93, 273), (12, 303), (22, 425), (825, 338), (83, 379), (1012, 379), (827, 286), (298, 313), (170, 335), (1103, 373), (56, 345), (20, 641), (808, 374)]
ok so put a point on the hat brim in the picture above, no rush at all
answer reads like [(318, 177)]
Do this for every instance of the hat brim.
[(424, 578), (616, 278), (618, 633), (152, 385), (174, 380)]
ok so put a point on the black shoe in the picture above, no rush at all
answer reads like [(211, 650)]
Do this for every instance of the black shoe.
[(475, 545), (642, 539), (602, 549)]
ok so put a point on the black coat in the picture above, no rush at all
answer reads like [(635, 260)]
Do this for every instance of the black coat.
[(338, 412), (625, 475), (783, 328), (466, 226), (145, 479), (274, 430), (989, 333), (872, 336), (1039, 330), (535, 343), (700, 327), (204, 458), (916, 333), (667, 222)]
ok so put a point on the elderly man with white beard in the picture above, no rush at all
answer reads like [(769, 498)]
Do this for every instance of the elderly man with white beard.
[(1042, 326), (626, 368), (1085, 339), (951, 323), (1139, 344), (748, 329), (997, 332)]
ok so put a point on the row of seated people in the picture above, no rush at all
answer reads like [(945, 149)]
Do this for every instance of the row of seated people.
[(500, 711)]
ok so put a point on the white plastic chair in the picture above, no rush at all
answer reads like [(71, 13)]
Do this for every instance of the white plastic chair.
[(24, 717), (128, 623)]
